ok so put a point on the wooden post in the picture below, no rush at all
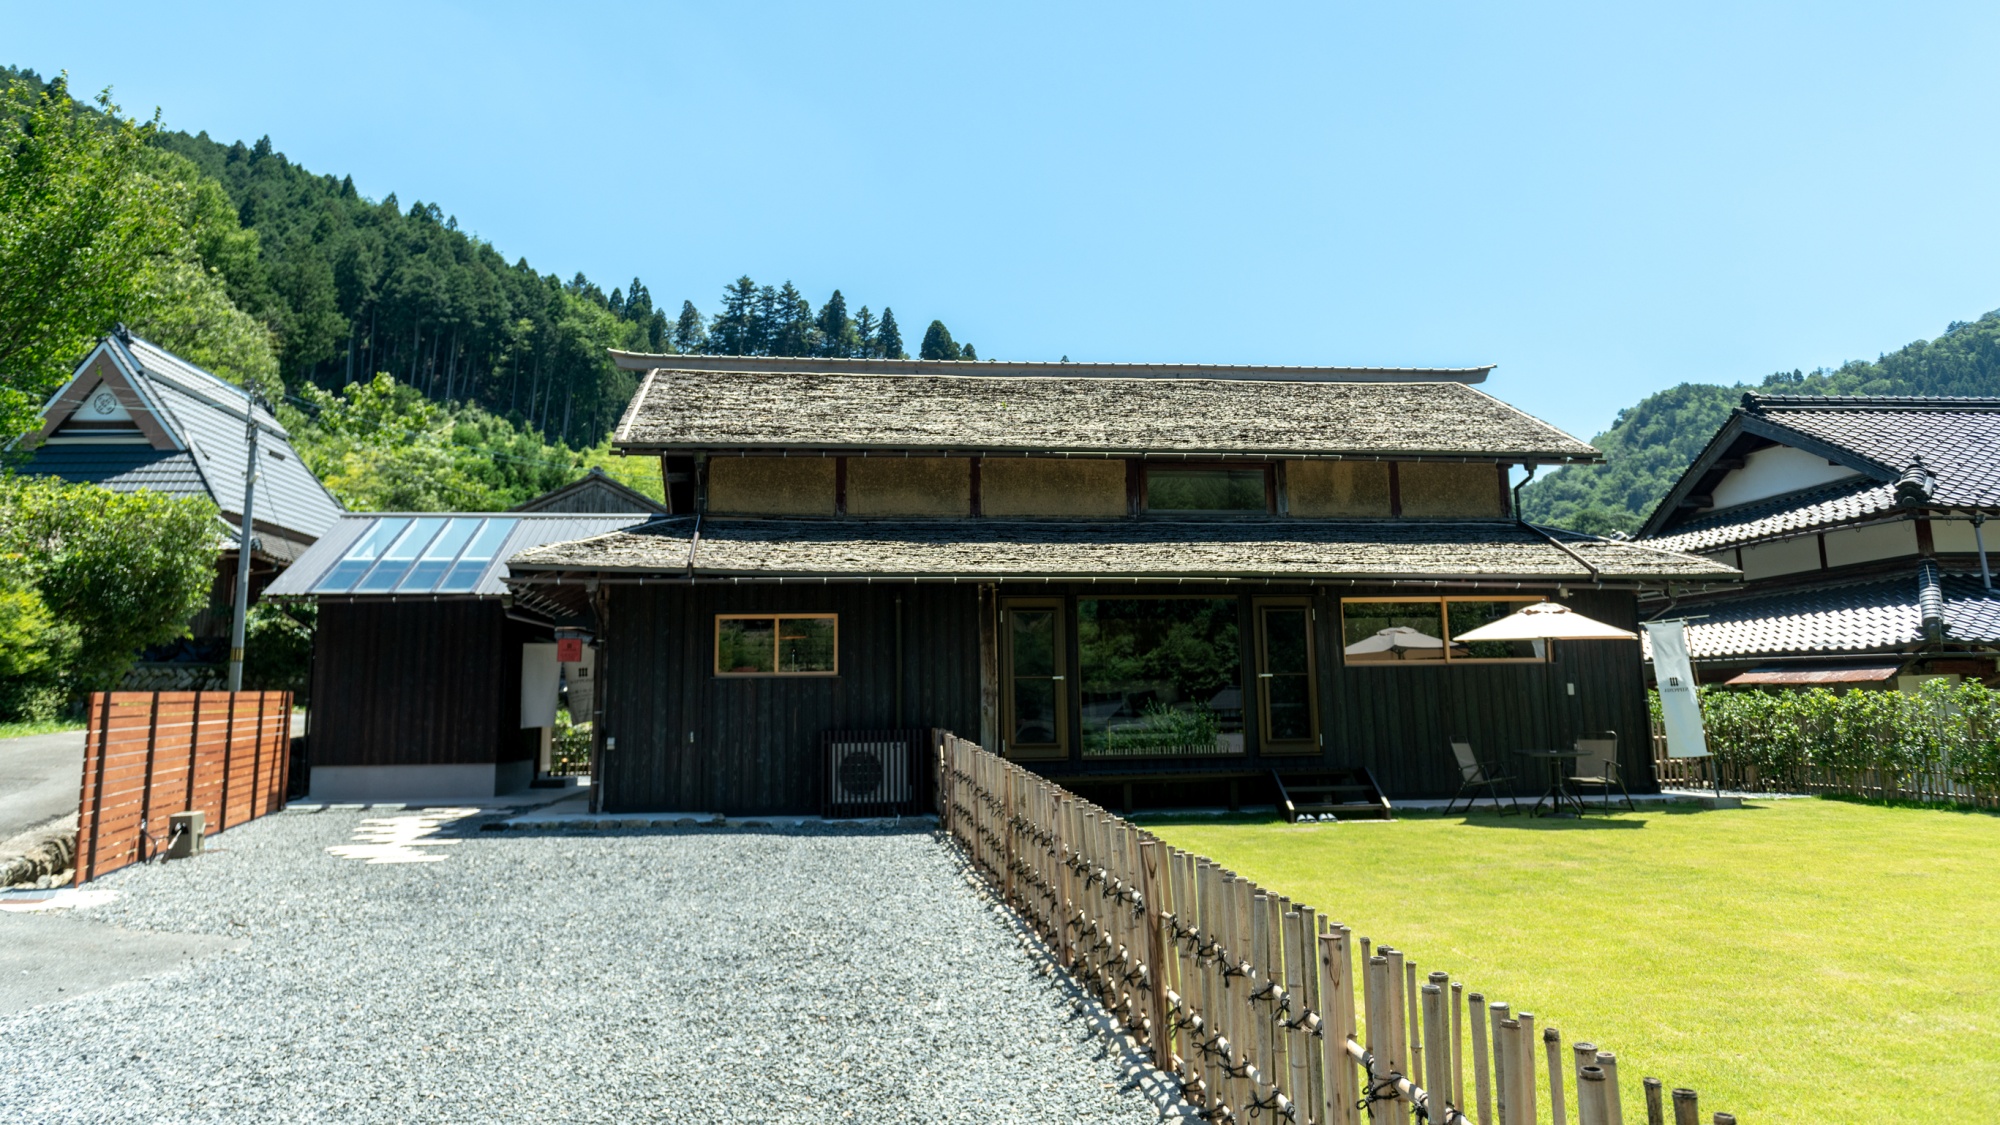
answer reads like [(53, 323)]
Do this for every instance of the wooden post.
[(1687, 1109), (1552, 1043), (1656, 1113), (93, 797), (1590, 1096), (1436, 1083), (1482, 1083), (1614, 1112), (1153, 886), (228, 757)]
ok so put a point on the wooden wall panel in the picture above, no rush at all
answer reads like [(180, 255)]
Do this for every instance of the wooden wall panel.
[(414, 683)]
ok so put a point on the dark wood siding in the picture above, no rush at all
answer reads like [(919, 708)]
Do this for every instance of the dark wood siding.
[(416, 683), (689, 741)]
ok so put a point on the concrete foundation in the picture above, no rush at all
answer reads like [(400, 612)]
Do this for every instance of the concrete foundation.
[(402, 783)]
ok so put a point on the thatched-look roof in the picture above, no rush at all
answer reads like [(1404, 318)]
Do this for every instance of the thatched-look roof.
[(1111, 415), (995, 549)]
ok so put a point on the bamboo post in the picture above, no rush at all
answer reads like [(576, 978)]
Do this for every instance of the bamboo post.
[(1482, 1082), (1260, 1043), (1591, 1096), (1242, 1025), (1502, 1092), (1614, 1112), (1336, 989), (1522, 1067), (1153, 886), (1436, 1055), (1458, 1046), (1507, 1051), (1656, 1113), (1552, 1043), (1687, 1109), (1377, 985), (1396, 1059), (1724, 1118), (1413, 1027), (1301, 984)]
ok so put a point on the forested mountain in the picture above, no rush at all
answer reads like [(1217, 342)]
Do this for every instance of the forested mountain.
[(294, 282), (1652, 442)]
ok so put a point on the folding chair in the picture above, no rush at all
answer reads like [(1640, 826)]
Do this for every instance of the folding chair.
[(1599, 766), (1474, 775)]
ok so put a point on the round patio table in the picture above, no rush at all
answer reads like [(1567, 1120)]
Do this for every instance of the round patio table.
[(1559, 796)]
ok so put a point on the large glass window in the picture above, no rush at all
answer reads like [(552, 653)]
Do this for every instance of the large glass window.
[(1160, 676), (1036, 688), (776, 645), (1417, 630), (1205, 490)]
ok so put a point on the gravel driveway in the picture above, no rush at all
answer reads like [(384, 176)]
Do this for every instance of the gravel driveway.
[(698, 975)]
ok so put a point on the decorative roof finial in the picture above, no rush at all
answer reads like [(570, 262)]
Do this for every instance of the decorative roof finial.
[(1914, 487)]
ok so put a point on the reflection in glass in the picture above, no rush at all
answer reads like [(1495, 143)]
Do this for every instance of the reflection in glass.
[(1388, 632), (1287, 680), (1467, 616), (397, 559), (805, 644), (745, 645), (1032, 654), (1205, 490), (361, 556), (1160, 676)]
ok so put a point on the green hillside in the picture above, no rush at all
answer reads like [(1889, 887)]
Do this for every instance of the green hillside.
[(1651, 442)]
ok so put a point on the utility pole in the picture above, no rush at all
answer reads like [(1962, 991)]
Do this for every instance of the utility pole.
[(243, 550)]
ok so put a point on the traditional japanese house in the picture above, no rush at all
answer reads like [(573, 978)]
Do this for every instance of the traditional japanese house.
[(1858, 525), (134, 417), (1157, 583), (430, 679)]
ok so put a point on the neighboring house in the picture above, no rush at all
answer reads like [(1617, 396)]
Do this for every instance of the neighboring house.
[(134, 417), (429, 678), (1858, 525), (1150, 581)]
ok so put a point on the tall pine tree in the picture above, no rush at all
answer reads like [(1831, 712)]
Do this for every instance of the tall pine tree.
[(736, 330), (838, 336), (689, 334), (890, 344), (864, 333)]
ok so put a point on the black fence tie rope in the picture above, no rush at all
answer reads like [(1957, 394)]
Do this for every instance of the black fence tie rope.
[(1278, 1104), (1375, 1089), (1265, 993)]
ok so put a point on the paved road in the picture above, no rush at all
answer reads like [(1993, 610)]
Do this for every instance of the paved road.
[(39, 776)]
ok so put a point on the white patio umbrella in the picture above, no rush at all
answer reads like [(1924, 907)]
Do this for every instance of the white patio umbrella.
[(1395, 640), (1546, 621)]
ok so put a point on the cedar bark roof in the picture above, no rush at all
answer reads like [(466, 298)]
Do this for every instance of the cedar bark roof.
[(994, 549), (1091, 415)]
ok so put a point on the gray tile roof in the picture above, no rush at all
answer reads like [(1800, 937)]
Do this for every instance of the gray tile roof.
[(676, 409), (1877, 615), (120, 468), (1958, 438), (208, 415), (309, 575), (1840, 502), (854, 548)]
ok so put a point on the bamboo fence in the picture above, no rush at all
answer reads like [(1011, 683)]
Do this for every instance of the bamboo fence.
[(1256, 1004)]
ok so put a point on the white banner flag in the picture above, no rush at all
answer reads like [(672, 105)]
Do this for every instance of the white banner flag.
[(1679, 705)]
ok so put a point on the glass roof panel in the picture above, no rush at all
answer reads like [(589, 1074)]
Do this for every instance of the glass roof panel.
[(475, 560), (361, 555), (397, 559), (438, 556)]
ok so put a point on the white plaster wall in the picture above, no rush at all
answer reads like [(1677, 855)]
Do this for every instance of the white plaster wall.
[(1866, 544), (1786, 556), (1774, 472), (1954, 537)]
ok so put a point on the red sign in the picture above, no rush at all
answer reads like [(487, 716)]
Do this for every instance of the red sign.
[(569, 650)]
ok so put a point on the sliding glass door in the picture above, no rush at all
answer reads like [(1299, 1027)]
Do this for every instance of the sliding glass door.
[(1287, 695), (1034, 688)]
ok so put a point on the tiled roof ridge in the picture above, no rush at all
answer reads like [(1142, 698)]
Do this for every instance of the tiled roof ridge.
[(1756, 403), (210, 388)]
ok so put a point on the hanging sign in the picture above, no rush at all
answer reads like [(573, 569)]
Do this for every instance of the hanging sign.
[(569, 650), (1679, 705)]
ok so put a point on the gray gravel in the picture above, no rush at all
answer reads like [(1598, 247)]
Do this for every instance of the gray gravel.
[(701, 975)]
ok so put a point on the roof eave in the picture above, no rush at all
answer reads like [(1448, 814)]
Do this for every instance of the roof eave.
[(653, 361)]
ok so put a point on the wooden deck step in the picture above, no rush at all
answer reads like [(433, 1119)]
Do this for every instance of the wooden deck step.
[(1343, 794)]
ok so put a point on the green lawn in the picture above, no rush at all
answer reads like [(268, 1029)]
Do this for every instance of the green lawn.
[(1800, 960), (38, 726)]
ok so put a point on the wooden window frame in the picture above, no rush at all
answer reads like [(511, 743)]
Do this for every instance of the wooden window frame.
[(1143, 492), (1266, 745), (1060, 749), (777, 621), (1443, 602)]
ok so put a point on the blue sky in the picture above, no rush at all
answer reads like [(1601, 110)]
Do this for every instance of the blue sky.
[(1604, 200)]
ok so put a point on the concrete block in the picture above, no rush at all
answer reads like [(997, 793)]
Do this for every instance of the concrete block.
[(186, 831)]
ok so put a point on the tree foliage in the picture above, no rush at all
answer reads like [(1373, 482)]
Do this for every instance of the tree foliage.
[(84, 235), (121, 571), (1653, 442)]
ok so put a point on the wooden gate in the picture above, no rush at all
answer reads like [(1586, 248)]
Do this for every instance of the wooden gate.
[(148, 755)]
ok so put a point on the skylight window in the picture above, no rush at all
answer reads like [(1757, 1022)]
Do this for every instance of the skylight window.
[(364, 554)]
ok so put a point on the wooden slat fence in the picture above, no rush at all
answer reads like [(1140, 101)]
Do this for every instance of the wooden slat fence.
[(1260, 1006), (148, 755)]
